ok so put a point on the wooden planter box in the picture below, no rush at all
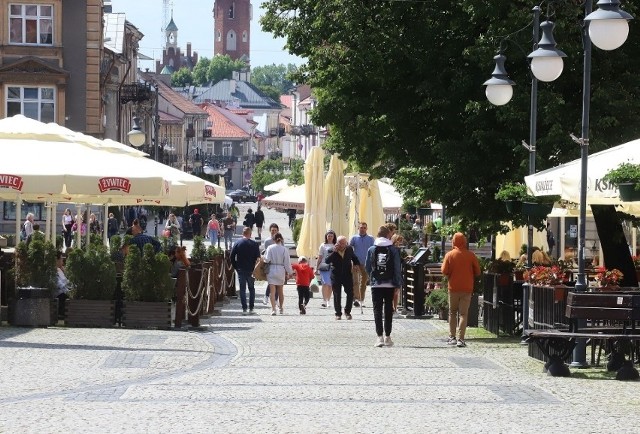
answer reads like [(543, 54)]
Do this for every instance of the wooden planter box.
[(146, 314), (89, 313)]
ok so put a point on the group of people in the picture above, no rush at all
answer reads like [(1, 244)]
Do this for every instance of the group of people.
[(349, 266)]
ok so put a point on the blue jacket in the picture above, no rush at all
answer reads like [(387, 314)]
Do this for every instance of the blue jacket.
[(396, 281), (244, 255)]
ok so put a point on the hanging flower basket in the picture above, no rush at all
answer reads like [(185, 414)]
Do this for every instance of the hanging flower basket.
[(513, 206), (536, 210), (628, 192)]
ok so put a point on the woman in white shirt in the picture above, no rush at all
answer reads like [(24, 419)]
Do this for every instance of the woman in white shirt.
[(322, 267), (277, 256), (67, 222)]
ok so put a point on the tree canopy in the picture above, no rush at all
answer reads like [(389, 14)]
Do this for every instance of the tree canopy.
[(274, 76), (182, 77), (209, 70), (399, 83)]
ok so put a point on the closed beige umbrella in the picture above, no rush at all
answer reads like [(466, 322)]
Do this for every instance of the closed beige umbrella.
[(314, 220), (365, 203), (335, 198)]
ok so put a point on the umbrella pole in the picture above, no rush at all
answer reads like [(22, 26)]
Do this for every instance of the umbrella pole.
[(18, 222), (105, 220), (87, 232), (47, 223)]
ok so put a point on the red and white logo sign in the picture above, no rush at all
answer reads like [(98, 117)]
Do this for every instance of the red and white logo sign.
[(11, 181), (114, 183), (209, 190)]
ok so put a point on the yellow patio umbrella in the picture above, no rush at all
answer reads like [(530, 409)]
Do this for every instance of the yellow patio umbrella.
[(314, 220), (335, 198)]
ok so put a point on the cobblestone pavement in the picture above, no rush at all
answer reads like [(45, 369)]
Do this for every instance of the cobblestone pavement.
[(295, 374)]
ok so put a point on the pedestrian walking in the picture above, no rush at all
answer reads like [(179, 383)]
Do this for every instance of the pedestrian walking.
[(360, 243), (461, 267), (277, 256), (67, 222), (323, 269), (229, 226), (213, 230), (342, 259), (244, 255), (249, 219), (273, 229), (112, 226), (259, 217), (384, 269), (304, 275)]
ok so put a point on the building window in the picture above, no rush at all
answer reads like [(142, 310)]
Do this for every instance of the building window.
[(231, 41), (244, 36), (33, 102), (31, 24), (232, 10), (9, 210), (219, 35), (227, 150)]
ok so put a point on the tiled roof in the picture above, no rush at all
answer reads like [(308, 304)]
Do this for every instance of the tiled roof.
[(166, 118), (286, 100), (174, 98), (225, 123)]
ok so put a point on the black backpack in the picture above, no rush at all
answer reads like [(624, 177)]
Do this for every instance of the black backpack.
[(382, 264)]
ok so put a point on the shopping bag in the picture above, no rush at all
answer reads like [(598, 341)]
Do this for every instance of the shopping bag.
[(260, 269)]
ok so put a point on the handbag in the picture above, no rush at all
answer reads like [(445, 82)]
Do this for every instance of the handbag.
[(324, 267), (260, 271)]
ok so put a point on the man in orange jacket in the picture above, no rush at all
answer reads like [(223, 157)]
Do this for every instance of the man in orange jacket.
[(461, 267)]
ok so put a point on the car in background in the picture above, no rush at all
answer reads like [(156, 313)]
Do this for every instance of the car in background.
[(241, 196)]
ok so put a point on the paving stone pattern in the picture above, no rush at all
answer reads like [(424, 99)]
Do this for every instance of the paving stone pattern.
[(292, 374)]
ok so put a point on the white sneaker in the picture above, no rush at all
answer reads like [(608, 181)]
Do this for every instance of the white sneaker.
[(273, 312), (379, 342), (281, 311), (452, 340), (387, 341), (265, 300), (324, 304)]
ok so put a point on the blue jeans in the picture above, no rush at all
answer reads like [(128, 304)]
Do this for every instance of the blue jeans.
[(213, 237), (228, 239), (244, 278)]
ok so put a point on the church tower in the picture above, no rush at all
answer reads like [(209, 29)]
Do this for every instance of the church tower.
[(231, 30)]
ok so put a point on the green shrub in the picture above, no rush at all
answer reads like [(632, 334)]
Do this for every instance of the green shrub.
[(146, 276), (624, 173), (36, 265), (92, 273), (438, 299), (199, 250), (297, 227)]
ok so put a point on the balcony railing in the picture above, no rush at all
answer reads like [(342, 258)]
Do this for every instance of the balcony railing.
[(136, 92)]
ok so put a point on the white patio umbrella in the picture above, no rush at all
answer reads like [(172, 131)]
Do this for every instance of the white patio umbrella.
[(289, 198), (314, 220), (564, 180), (335, 198), (277, 186)]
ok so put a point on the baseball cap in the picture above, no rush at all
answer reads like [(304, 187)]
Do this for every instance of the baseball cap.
[(302, 258)]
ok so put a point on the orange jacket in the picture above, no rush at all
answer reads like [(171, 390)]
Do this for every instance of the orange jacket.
[(460, 265)]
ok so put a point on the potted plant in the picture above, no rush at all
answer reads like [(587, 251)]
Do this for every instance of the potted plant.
[(93, 276), (36, 281), (198, 251), (503, 269), (148, 289), (438, 301), (608, 279), (512, 194), (627, 177)]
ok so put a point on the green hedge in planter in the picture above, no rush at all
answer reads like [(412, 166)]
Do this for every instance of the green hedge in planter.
[(146, 276), (92, 273), (37, 263)]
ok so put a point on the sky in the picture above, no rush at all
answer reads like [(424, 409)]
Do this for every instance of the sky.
[(194, 19)]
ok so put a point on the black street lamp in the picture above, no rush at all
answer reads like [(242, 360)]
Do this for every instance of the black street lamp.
[(607, 28)]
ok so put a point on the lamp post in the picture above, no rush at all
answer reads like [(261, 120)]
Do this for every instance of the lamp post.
[(136, 136), (608, 29)]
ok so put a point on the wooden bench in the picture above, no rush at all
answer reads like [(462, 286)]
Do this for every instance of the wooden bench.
[(608, 317)]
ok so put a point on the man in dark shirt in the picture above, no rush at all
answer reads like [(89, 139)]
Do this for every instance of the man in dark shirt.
[(244, 255), (342, 261), (140, 239), (196, 222)]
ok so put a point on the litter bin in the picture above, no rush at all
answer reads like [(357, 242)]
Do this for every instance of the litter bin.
[(31, 308), (413, 283)]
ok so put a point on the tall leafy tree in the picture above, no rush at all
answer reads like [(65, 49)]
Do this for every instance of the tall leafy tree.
[(400, 85), (274, 77), (222, 67), (201, 70), (181, 77)]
